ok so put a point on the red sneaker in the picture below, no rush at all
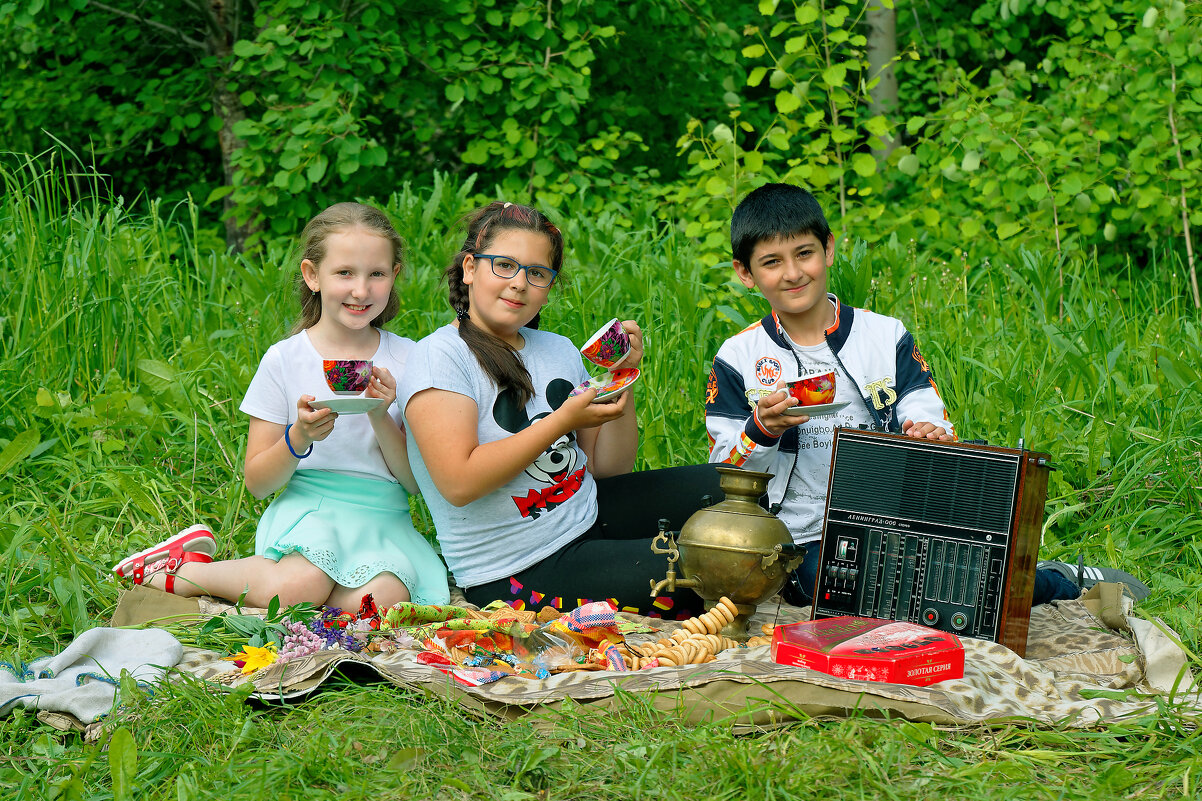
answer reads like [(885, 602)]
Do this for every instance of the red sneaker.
[(193, 544)]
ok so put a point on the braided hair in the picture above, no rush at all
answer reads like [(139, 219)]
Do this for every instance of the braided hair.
[(496, 357)]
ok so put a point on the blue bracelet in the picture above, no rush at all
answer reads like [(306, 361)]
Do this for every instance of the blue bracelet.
[(288, 428)]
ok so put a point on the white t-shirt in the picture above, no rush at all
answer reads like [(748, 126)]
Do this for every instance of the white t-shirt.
[(292, 368), (540, 510)]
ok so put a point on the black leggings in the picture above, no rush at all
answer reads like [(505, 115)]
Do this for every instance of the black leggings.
[(613, 559)]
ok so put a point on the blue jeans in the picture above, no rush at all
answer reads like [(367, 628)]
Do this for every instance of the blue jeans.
[(798, 590)]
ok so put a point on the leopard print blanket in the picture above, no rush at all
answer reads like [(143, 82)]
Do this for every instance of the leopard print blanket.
[(1088, 662)]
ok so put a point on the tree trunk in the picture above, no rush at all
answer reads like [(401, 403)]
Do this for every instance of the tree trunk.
[(882, 52), (231, 111), (229, 108)]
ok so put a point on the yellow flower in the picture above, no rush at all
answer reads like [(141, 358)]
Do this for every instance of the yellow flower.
[(253, 658)]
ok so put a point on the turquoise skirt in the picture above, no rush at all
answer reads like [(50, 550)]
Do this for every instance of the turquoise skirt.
[(354, 529)]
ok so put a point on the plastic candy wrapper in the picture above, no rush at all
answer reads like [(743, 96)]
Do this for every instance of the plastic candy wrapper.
[(477, 652), (407, 614)]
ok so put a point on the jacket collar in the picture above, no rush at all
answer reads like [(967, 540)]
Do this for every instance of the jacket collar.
[(836, 335)]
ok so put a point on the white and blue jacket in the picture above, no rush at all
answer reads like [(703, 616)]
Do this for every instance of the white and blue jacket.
[(880, 375)]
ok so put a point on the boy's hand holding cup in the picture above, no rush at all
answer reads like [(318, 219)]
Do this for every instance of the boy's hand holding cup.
[(779, 414)]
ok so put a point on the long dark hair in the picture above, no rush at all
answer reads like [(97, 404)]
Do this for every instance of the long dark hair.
[(335, 219), (497, 357)]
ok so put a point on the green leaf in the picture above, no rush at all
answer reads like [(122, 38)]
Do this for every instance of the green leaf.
[(757, 76), (716, 186), (834, 75), (20, 447), (453, 92), (806, 14), (914, 124), (753, 160), (123, 764), (753, 51), (908, 164), (877, 126), (786, 102), (317, 169), (971, 161), (218, 193), (768, 7), (864, 164), (1008, 229), (160, 375), (795, 44)]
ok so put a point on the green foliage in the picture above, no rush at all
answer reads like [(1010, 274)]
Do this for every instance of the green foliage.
[(1090, 143), (810, 70), (277, 109)]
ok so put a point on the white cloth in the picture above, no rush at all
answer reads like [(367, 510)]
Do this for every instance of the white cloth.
[(82, 680), (540, 510), (293, 367)]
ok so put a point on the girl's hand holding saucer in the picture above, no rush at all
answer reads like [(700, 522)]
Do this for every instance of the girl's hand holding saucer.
[(381, 385), (312, 425), (580, 411)]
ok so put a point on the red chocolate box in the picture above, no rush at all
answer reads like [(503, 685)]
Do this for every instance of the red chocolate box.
[(871, 650)]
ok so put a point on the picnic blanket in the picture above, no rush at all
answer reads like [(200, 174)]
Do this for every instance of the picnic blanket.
[(1088, 662)]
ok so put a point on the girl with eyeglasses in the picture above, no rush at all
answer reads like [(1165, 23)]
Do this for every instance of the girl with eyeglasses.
[(529, 488)]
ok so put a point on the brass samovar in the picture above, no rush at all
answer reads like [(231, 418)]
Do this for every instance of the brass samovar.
[(733, 548)]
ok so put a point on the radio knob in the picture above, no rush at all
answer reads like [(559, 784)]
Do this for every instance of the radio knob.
[(959, 621), (832, 571), (930, 616)]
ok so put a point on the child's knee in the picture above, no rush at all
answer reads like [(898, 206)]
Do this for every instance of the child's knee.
[(300, 583), (387, 590)]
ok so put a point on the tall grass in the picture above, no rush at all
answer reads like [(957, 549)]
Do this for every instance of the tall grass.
[(127, 340)]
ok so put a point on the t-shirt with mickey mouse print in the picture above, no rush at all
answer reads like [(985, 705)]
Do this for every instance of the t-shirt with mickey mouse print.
[(542, 509)]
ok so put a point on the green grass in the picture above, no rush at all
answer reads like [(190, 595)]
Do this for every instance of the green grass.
[(127, 340)]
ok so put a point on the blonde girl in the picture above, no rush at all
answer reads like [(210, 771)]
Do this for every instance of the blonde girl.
[(340, 528)]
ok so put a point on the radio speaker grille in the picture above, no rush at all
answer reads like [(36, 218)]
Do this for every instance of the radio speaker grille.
[(928, 484)]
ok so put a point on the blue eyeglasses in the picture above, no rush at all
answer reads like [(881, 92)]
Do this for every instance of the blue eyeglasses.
[(505, 267)]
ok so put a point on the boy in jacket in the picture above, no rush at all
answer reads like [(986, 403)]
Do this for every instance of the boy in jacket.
[(783, 246)]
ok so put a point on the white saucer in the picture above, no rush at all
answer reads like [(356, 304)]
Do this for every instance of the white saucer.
[(348, 405), (818, 410)]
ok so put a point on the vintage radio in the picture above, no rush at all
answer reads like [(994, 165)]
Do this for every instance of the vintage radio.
[(944, 534)]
